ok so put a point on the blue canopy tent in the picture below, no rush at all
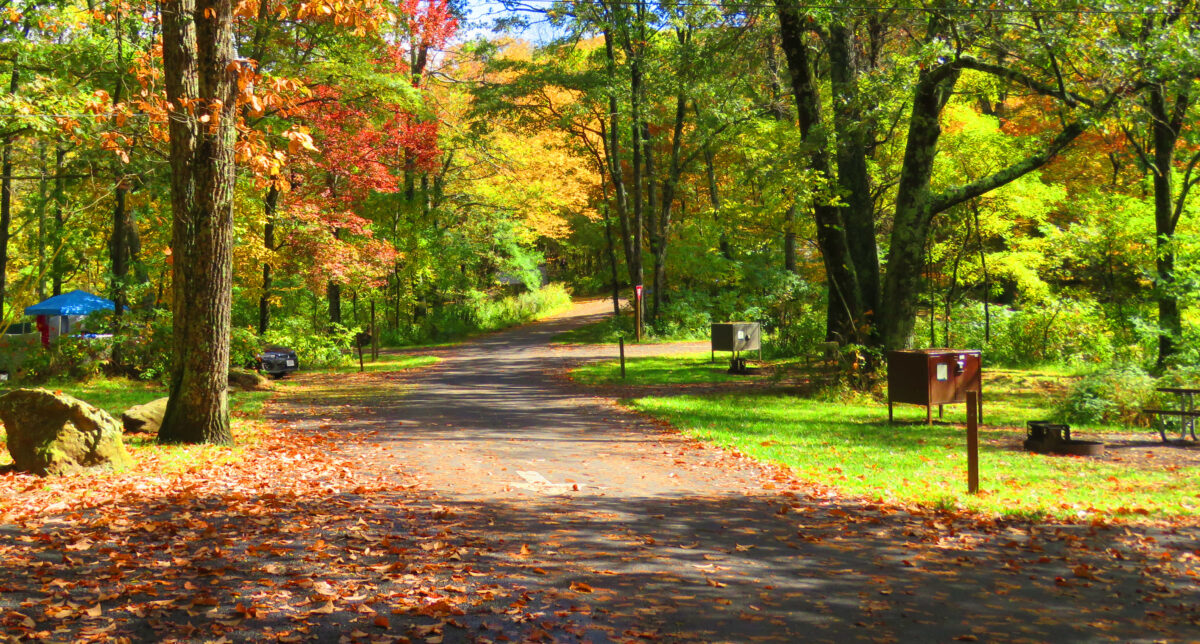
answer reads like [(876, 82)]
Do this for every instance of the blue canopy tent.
[(74, 303)]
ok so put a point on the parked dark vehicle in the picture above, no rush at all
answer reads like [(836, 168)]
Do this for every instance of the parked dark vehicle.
[(277, 361)]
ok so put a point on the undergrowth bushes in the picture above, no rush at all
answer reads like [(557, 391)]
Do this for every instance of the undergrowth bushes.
[(479, 312), (1110, 396), (1066, 332)]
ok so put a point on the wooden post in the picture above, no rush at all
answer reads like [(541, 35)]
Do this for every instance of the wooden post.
[(637, 313), (621, 343), (360, 359), (973, 442)]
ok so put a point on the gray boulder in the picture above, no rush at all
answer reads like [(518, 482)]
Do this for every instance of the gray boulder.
[(53, 433), (145, 418)]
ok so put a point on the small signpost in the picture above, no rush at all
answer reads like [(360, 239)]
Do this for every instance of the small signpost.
[(973, 442), (637, 313), (621, 343)]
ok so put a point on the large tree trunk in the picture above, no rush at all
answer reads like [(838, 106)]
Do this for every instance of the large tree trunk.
[(910, 228), (842, 286), (854, 181), (200, 84)]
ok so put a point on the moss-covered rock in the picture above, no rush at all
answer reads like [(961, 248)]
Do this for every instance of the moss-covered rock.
[(53, 433), (247, 380)]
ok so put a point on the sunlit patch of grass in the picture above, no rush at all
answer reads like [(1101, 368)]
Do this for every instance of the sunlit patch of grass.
[(847, 442), (387, 362), (851, 446), (680, 369), (115, 395), (610, 330)]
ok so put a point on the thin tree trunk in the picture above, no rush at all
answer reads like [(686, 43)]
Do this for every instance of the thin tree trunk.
[(714, 198), (270, 203), (118, 251), (57, 259), (6, 188), (1167, 122), (635, 130), (42, 230), (613, 159), (662, 227), (612, 260)]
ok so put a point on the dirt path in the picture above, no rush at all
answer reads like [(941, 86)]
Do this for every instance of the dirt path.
[(599, 524)]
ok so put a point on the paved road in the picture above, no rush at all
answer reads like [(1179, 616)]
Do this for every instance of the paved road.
[(628, 530)]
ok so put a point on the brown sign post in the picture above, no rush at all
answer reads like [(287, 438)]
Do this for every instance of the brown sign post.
[(637, 313)]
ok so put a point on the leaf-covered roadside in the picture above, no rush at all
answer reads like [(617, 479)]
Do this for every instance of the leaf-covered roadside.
[(289, 542)]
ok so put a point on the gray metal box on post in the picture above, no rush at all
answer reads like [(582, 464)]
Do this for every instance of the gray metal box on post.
[(736, 337)]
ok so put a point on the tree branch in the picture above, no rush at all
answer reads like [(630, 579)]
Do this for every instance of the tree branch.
[(1070, 98), (950, 198), (1186, 187)]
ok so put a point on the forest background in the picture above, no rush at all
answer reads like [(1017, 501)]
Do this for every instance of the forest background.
[(1013, 177)]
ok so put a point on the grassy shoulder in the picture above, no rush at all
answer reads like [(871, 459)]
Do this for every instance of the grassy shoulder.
[(610, 330), (387, 362), (682, 369), (115, 395), (847, 443)]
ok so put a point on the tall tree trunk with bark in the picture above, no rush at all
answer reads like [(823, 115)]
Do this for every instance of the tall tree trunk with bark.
[(910, 229), (845, 301), (854, 181), (200, 83)]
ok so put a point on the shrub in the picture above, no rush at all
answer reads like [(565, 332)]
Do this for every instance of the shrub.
[(312, 349), (1111, 396), (479, 312), (142, 344), (1066, 332), (67, 357)]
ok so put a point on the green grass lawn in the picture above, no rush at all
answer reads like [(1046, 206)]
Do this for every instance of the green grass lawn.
[(115, 395), (607, 332), (687, 368), (387, 362), (847, 442)]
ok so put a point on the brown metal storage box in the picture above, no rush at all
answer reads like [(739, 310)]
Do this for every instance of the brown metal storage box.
[(933, 377), (736, 336)]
